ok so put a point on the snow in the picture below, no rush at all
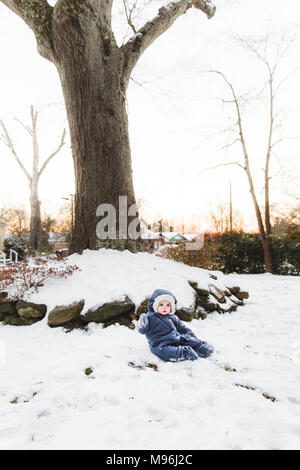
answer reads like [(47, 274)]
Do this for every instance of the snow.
[(47, 401), (108, 275)]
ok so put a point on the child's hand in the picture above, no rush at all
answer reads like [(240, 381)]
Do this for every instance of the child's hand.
[(143, 323)]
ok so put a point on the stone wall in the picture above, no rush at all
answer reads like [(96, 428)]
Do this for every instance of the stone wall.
[(206, 301)]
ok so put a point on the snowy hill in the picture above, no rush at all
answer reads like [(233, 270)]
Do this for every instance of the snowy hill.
[(246, 396), (106, 275)]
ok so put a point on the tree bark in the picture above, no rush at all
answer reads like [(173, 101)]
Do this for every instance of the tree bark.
[(90, 66)]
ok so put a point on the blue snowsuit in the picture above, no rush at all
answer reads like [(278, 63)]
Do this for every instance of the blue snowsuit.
[(168, 337)]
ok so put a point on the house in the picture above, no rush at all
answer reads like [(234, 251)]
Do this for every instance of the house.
[(3, 233), (59, 241), (173, 237), (159, 239), (153, 240)]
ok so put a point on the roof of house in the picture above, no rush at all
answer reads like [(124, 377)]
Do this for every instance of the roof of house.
[(172, 236)]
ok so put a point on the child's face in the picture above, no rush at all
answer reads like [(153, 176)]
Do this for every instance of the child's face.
[(164, 307)]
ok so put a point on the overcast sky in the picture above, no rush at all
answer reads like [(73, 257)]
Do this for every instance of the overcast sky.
[(176, 113)]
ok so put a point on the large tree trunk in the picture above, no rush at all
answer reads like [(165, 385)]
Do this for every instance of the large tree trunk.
[(90, 67)]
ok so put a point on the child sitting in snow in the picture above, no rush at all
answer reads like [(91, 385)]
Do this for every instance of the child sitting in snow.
[(168, 337)]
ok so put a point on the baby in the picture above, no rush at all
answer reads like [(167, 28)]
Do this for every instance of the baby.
[(168, 337)]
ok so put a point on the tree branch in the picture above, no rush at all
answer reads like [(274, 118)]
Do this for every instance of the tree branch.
[(147, 34), (27, 128), (62, 143), (128, 15), (7, 141), (37, 14), (225, 164)]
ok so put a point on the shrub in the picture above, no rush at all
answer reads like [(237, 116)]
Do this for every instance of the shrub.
[(241, 253), (20, 279), (206, 258)]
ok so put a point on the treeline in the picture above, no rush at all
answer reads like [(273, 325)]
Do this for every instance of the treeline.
[(242, 253)]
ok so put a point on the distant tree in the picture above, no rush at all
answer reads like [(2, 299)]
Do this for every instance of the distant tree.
[(17, 219), (260, 49), (63, 222), (34, 177), (161, 225), (220, 217)]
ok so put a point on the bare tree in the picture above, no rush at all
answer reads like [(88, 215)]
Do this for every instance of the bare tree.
[(17, 218), (33, 179), (77, 37), (273, 86), (225, 220)]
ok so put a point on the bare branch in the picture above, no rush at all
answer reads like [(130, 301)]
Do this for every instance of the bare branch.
[(62, 143), (284, 79), (7, 141), (147, 34), (206, 6), (283, 139), (27, 128), (225, 164), (128, 15), (226, 146)]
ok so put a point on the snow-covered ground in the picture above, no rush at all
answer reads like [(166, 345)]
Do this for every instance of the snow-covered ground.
[(48, 402)]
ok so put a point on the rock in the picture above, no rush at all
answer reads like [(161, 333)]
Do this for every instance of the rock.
[(193, 284), (8, 308), (142, 308), (200, 313), (234, 290), (109, 311), (186, 314), (206, 301), (227, 292), (218, 294), (64, 314), (3, 295), (30, 310), (15, 320), (242, 295), (212, 276), (235, 300)]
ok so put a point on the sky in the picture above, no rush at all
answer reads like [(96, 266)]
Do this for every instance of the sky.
[(176, 109)]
